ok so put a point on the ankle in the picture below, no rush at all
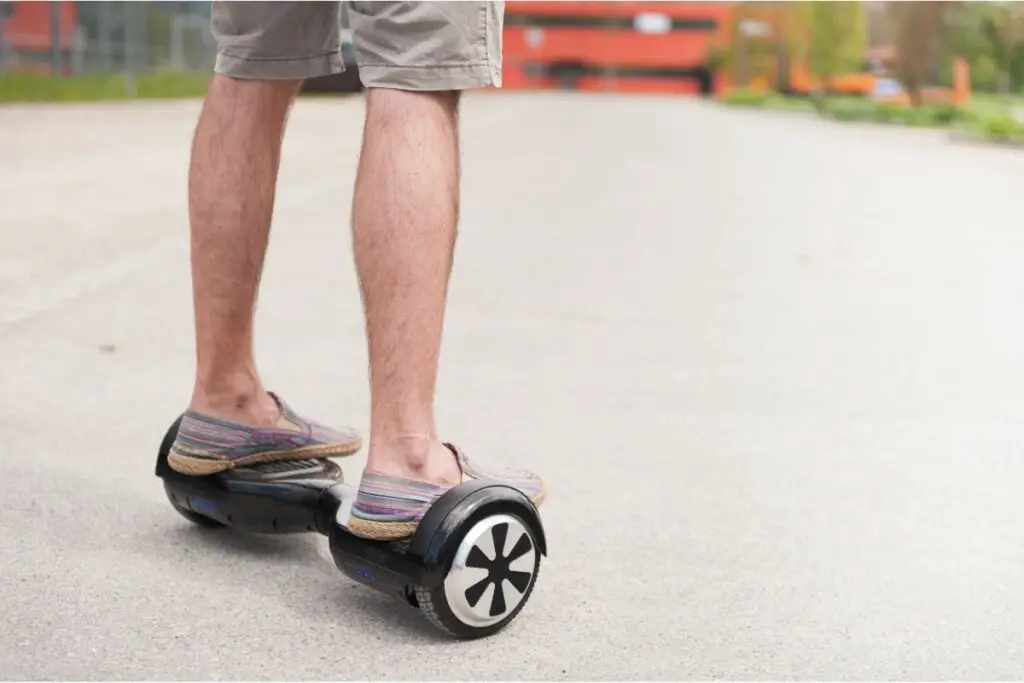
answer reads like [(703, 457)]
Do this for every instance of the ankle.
[(416, 457), (413, 451), (249, 405)]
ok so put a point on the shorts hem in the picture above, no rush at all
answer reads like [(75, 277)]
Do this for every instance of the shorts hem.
[(431, 78), (284, 68)]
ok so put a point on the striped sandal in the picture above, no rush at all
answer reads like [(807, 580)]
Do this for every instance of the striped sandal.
[(207, 445), (389, 508)]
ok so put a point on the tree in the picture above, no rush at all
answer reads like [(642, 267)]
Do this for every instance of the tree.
[(749, 38), (1004, 27), (918, 31), (879, 27), (990, 36), (829, 36)]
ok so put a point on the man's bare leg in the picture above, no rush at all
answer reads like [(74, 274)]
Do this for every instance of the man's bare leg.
[(404, 217), (232, 181), (405, 211), (232, 420)]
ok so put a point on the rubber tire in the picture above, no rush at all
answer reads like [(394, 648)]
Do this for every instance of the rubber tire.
[(434, 604)]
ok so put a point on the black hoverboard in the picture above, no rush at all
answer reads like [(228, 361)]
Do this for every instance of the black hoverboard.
[(470, 566)]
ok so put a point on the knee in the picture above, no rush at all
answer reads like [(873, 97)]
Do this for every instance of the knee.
[(391, 103), (253, 92)]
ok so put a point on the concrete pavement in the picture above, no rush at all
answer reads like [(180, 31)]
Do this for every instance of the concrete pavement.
[(771, 367)]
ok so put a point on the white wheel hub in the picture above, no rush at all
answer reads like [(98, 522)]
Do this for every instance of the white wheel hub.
[(492, 571)]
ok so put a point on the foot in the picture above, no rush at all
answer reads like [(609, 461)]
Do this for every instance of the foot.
[(207, 445), (389, 508)]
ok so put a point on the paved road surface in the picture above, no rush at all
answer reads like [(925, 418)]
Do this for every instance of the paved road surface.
[(771, 367)]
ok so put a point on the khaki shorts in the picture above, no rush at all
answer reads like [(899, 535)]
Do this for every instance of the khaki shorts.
[(406, 45)]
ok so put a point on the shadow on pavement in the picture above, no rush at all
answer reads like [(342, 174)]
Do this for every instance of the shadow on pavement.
[(322, 583), (265, 548)]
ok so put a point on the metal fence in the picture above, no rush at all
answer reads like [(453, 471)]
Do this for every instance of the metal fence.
[(105, 37)]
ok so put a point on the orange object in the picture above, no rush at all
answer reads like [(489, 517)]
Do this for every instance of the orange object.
[(961, 95), (28, 27), (611, 46), (27, 31), (650, 47)]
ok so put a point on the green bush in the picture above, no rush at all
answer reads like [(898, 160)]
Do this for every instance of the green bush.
[(888, 112), (859, 109), (848, 109), (745, 98), (945, 114), (1001, 127), (96, 87)]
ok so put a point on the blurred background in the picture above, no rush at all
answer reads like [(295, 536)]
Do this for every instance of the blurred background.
[(930, 63), (742, 280)]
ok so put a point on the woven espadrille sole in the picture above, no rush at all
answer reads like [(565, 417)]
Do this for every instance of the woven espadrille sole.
[(200, 466), (375, 530)]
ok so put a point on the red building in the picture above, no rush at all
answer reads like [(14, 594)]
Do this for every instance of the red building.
[(612, 46), (32, 31)]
